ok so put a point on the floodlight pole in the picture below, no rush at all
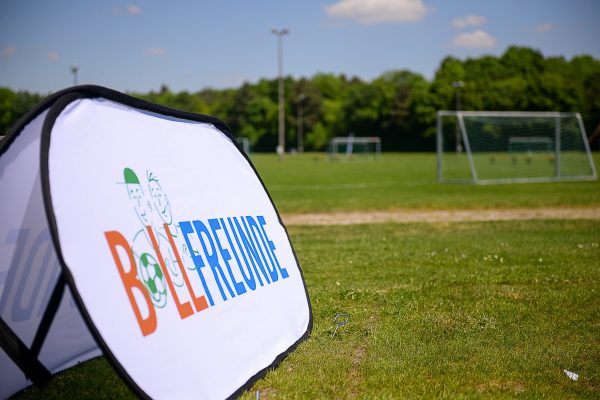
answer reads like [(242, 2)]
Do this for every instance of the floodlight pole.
[(300, 133), (280, 33), (457, 85), (74, 70)]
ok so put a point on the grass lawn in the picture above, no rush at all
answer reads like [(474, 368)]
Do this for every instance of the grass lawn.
[(463, 309), (312, 183), (515, 165), (437, 310)]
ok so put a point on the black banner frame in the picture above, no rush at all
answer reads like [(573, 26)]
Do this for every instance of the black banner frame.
[(27, 358)]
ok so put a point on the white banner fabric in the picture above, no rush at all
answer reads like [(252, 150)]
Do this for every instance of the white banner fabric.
[(29, 268), (175, 251)]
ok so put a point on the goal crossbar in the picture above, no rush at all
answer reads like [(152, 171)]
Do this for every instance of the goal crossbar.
[(517, 114), (350, 141)]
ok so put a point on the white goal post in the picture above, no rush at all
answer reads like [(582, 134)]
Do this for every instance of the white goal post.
[(245, 143), (350, 145), (485, 147)]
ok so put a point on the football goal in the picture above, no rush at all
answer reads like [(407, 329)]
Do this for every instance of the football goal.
[(245, 143), (501, 147), (350, 146)]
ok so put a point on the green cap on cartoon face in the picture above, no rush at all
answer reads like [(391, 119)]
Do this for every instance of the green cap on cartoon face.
[(130, 176)]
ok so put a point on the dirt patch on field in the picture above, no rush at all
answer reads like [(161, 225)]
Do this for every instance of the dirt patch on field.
[(432, 216)]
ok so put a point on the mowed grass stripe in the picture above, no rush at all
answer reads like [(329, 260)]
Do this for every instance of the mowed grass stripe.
[(312, 183), (440, 216)]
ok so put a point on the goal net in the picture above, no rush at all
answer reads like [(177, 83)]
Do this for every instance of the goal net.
[(496, 147), (350, 146)]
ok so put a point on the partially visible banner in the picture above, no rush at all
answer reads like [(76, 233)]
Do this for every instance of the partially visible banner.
[(30, 273), (175, 255)]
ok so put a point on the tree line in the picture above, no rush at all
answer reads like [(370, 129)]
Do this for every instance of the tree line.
[(399, 106)]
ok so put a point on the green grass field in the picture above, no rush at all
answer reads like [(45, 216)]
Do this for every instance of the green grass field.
[(446, 310), (516, 165), (451, 310), (312, 183)]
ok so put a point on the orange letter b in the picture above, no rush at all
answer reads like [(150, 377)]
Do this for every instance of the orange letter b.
[(130, 282)]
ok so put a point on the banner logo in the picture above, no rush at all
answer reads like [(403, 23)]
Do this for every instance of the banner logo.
[(192, 265)]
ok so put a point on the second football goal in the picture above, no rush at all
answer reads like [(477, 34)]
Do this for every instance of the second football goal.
[(500, 147), (351, 145)]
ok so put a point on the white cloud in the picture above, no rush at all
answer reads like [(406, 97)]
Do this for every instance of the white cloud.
[(53, 56), (378, 11), (545, 27), (155, 52), (130, 9), (133, 9), (469, 20), (8, 51), (474, 40)]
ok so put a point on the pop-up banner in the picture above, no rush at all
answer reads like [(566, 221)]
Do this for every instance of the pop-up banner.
[(145, 234)]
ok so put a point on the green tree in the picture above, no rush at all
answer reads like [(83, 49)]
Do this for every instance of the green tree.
[(14, 106)]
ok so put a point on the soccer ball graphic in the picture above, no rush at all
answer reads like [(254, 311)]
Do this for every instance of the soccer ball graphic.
[(152, 276)]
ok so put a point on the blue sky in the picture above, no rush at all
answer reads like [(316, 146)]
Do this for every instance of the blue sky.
[(190, 45)]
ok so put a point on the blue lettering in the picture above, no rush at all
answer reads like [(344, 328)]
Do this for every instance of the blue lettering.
[(20, 313), (214, 226), (213, 258), (251, 247), (271, 246), (255, 229), (251, 250), (18, 237), (186, 229), (50, 287), (250, 281)]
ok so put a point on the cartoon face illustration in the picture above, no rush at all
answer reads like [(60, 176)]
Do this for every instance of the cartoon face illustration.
[(140, 203), (159, 199)]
